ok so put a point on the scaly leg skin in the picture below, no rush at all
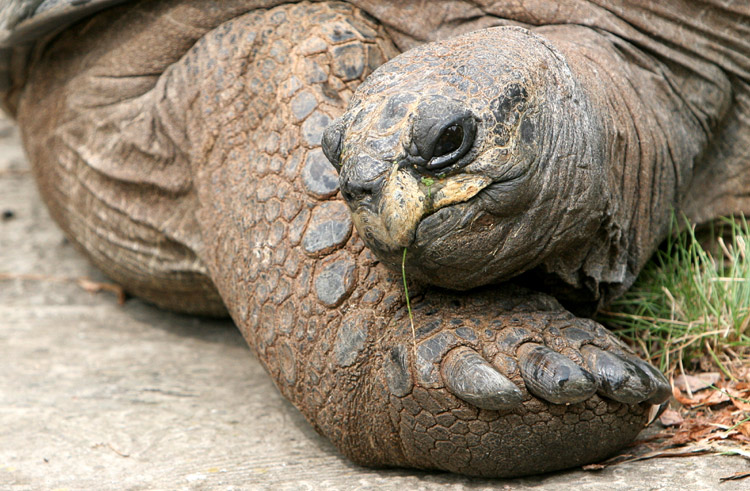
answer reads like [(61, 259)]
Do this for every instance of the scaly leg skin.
[(492, 383)]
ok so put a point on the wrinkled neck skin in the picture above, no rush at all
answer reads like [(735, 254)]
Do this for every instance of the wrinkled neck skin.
[(662, 76), (532, 185), (658, 118), (569, 177)]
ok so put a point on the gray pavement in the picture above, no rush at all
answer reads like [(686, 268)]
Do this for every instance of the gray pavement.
[(94, 395)]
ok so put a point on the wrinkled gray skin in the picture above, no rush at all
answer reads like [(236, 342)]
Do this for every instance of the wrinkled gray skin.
[(573, 150), (531, 135), (178, 144)]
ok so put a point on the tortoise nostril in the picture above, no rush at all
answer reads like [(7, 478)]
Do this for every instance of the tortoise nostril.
[(355, 190), (362, 178)]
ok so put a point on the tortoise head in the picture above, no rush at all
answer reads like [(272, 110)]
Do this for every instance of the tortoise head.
[(480, 155)]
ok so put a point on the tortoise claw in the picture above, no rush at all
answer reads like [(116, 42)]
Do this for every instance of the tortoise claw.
[(554, 377), (470, 377), (661, 390), (619, 379)]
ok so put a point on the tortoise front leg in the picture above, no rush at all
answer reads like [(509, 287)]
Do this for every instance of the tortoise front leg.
[(229, 134), (489, 384)]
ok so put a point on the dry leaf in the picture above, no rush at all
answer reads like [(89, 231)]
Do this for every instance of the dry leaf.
[(743, 373), (713, 398), (740, 398), (744, 428), (671, 418), (697, 382), (700, 432), (686, 401), (741, 405), (706, 423), (692, 430)]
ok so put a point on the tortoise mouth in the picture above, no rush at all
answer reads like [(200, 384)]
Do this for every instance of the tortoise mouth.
[(437, 225), (408, 202)]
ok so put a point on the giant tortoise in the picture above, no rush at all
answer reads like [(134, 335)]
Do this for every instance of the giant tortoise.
[(520, 161)]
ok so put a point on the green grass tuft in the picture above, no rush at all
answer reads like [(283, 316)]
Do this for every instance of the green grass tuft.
[(691, 304)]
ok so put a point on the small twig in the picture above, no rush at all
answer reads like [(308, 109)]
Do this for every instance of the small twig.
[(645, 318), (742, 247), (109, 445), (731, 352), (735, 477), (84, 282), (675, 308), (745, 323), (95, 287), (657, 436), (682, 371), (667, 453), (14, 172), (35, 277), (724, 279)]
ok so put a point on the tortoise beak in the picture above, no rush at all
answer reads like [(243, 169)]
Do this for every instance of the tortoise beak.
[(388, 209)]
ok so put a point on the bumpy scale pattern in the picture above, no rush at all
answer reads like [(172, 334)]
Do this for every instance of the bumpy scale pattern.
[(326, 320), (300, 284)]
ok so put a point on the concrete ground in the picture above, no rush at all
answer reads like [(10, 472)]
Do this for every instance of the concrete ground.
[(94, 395)]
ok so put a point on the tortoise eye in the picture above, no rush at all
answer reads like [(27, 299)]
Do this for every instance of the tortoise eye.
[(452, 143), (331, 142), (449, 141), (443, 132)]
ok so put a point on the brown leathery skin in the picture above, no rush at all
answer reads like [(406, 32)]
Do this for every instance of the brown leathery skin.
[(219, 171), (534, 140), (109, 151), (587, 156)]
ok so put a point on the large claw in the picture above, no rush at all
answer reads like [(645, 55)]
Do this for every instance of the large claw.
[(661, 390), (553, 376), (470, 377), (619, 379)]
